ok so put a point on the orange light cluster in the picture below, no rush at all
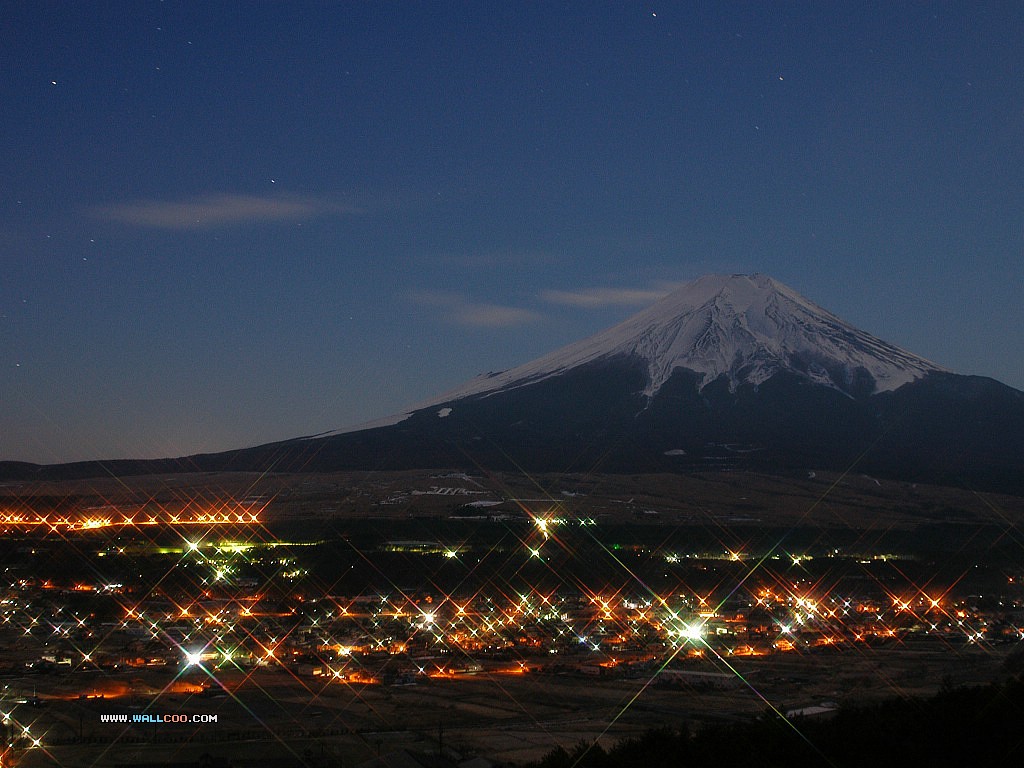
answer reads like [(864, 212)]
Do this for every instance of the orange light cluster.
[(70, 524)]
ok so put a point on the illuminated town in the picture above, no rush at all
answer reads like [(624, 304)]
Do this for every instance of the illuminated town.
[(146, 607)]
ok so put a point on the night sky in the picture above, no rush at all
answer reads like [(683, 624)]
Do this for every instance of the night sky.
[(223, 224)]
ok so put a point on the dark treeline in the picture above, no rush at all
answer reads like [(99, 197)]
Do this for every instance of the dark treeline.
[(958, 727)]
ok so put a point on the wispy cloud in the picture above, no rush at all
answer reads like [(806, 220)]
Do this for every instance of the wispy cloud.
[(217, 211), (456, 309), (597, 298), (494, 258), (495, 316)]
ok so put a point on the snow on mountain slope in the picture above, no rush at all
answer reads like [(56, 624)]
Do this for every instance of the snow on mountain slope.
[(745, 327)]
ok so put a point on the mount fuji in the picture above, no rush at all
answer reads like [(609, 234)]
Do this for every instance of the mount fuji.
[(727, 372), (743, 329)]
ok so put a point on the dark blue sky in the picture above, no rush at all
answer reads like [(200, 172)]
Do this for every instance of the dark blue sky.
[(227, 224)]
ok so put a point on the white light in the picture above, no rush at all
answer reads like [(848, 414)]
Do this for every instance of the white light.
[(692, 631)]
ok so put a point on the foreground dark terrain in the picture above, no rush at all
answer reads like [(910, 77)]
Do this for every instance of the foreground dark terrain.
[(325, 619)]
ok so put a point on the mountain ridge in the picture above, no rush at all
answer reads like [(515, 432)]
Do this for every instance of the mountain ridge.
[(689, 329), (728, 372)]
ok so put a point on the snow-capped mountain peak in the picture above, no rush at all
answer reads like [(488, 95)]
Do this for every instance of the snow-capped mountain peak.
[(746, 328)]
